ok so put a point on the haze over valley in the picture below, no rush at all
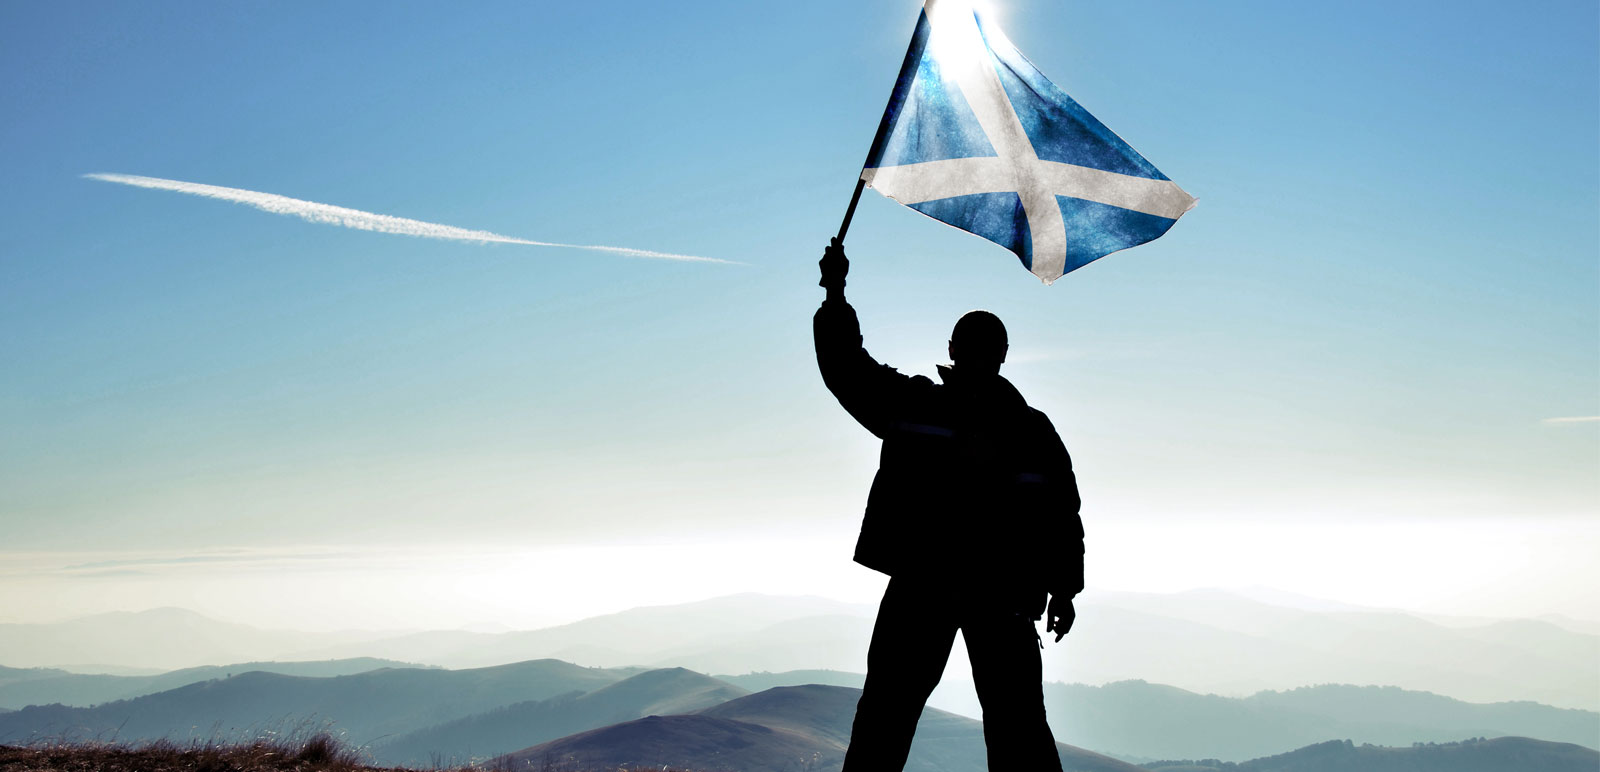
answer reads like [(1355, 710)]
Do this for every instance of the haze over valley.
[(1205, 674)]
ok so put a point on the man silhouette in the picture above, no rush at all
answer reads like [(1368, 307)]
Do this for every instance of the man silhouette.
[(974, 516)]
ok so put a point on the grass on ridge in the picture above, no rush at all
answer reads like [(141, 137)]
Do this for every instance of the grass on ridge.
[(319, 752)]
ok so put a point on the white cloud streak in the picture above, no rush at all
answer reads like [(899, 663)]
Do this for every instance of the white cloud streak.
[(328, 214), (1572, 419)]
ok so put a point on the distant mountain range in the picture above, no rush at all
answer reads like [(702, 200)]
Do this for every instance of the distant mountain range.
[(423, 717), (42, 686), (676, 635), (509, 691), (365, 707), (1138, 719), (1202, 641), (1502, 754), (160, 639), (1211, 641)]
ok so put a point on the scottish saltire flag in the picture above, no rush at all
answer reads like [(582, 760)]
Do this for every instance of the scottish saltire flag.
[(975, 136)]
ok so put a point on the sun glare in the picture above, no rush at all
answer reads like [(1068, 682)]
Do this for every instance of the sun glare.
[(955, 41)]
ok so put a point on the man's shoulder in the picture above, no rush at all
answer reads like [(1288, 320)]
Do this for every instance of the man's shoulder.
[(1041, 421), (917, 394)]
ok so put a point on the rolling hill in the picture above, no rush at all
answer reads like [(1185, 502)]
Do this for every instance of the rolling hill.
[(691, 741), (17, 675), (1139, 719), (505, 729), (1496, 755), (83, 689), (778, 730), (766, 679), (365, 706)]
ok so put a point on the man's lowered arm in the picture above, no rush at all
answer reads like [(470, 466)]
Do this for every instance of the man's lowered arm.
[(1065, 540)]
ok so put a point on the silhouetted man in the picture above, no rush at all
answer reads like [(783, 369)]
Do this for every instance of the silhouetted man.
[(974, 517)]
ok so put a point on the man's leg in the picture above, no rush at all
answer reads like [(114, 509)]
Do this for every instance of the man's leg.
[(910, 644), (1004, 649)]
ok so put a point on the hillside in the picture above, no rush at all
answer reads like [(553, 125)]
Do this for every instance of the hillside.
[(1136, 719), (503, 730), (83, 690), (1139, 719), (365, 706), (17, 675), (784, 728), (1496, 755), (763, 680), (681, 741)]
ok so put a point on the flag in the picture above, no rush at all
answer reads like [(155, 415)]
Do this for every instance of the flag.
[(976, 137)]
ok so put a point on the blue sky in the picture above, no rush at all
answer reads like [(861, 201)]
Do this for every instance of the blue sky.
[(1390, 285)]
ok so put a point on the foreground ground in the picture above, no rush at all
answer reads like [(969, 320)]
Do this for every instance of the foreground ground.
[(318, 754)]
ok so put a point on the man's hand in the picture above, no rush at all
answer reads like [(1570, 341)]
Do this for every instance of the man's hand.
[(1060, 616), (834, 266)]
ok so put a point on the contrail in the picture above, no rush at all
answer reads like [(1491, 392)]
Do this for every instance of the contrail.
[(329, 214)]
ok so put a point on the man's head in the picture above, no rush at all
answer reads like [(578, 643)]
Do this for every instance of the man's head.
[(978, 343)]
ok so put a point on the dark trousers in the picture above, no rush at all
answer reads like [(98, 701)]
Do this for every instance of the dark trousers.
[(911, 642)]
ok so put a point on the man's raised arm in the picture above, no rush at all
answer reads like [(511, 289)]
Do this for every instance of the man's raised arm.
[(866, 389)]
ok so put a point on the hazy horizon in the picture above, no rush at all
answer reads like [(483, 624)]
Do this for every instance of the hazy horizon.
[(1231, 643), (452, 586), (856, 585)]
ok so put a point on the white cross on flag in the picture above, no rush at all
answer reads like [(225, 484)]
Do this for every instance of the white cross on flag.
[(976, 137)]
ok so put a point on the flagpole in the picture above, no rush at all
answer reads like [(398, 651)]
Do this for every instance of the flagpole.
[(902, 82), (855, 198)]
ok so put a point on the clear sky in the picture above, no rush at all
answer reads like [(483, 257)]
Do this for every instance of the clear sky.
[(1365, 367)]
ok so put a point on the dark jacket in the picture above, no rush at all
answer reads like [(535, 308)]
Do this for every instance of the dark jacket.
[(973, 487)]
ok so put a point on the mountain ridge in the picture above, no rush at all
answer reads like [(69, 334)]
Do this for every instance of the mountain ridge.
[(518, 725), (1233, 645), (85, 690), (1474, 755), (364, 705)]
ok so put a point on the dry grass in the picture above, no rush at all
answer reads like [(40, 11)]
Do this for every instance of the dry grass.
[(318, 752)]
